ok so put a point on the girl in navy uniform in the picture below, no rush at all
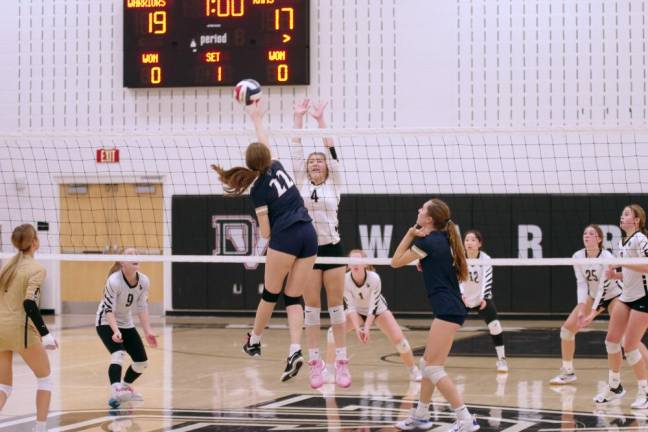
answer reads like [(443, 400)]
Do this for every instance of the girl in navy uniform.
[(292, 249), (319, 180), (434, 241), (629, 318)]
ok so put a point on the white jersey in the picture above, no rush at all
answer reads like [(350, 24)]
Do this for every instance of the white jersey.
[(635, 284), (588, 280), (365, 298), (321, 201), (479, 284), (120, 298)]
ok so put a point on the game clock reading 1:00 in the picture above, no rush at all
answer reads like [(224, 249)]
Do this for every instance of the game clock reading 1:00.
[(187, 43)]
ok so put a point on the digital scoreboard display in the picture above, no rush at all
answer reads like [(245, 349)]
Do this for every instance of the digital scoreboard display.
[(187, 43)]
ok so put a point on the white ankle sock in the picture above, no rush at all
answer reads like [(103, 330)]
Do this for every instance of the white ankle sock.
[(293, 349), (341, 353), (313, 354), (254, 339)]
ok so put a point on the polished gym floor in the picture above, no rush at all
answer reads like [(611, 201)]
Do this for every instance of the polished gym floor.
[(200, 380)]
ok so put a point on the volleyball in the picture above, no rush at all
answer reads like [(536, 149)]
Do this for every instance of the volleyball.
[(247, 91)]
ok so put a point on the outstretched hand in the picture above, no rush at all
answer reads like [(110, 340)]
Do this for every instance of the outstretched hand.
[(317, 111), (301, 108), (256, 110)]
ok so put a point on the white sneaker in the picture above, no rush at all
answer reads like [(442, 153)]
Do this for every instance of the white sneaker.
[(415, 374), (134, 395), (609, 395), (565, 377), (641, 402), (502, 366), (122, 394), (413, 423), (465, 425)]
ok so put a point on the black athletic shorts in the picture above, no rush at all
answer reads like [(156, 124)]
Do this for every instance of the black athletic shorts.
[(331, 250), (640, 305), (131, 342)]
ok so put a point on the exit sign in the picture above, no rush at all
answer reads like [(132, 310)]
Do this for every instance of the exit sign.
[(108, 155)]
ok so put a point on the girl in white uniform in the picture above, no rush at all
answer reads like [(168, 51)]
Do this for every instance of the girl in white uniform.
[(126, 291), (365, 305), (629, 318), (588, 280), (319, 181), (477, 294)]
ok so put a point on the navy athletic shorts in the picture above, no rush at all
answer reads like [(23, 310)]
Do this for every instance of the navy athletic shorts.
[(299, 240)]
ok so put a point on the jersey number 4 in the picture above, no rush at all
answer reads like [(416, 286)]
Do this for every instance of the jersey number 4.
[(314, 196), (282, 188)]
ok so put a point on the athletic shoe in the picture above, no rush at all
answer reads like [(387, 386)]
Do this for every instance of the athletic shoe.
[(565, 377), (342, 374), (253, 350), (134, 396), (609, 395), (293, 364), (413, 423), (465, 425), (316, 376), (415, 374), (641, 402), (502, 366)]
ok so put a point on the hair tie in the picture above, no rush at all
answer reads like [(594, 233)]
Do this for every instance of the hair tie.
[(448, 221)]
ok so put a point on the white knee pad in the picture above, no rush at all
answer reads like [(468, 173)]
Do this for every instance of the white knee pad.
[(494, 327), (566, 334), (434, 373), (403, 346), (612, 347), (337, 314), (633, 357), (329, 335), (139, 367), (6, 389), (312, 316), (45, 384), (118, 357)]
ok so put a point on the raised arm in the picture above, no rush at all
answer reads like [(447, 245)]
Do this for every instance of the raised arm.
[(296, 148), (255, 112), (317, 112)]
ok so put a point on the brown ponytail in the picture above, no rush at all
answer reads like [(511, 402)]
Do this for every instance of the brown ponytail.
[(440, 213), (22, 238), (237, 180), (115, 267)]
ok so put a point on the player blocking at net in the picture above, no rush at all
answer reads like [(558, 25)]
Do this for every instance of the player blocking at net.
[(319, 180), (20, 284), (434, 241), (283, 219), (126, 291)]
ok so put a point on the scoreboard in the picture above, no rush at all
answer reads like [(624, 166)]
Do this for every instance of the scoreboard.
[(187, 43)]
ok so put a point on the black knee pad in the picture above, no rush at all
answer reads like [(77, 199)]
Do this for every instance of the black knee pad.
[(269, 297), (289, 301)]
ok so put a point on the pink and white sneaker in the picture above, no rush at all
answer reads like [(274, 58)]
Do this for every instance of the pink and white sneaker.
[(134, 395), (316, 376), (342, 374)]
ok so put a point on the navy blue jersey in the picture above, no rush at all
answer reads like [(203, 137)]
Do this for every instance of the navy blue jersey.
[(440, 278), (275, 192)]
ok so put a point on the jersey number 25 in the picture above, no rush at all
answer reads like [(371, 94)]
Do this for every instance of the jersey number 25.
[(281, 189)]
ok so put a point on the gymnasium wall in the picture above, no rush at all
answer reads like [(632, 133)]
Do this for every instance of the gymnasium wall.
[(525, 226), (379, 63)]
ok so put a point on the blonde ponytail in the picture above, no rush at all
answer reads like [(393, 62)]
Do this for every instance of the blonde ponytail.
[(459, 263)]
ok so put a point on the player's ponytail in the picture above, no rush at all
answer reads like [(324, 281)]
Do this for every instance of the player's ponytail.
[(459, 262), (236, 180), (22, 238), (115, 268), (440, 212)]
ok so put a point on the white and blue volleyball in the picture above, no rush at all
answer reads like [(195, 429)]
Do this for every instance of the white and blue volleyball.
[(247, 91)]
